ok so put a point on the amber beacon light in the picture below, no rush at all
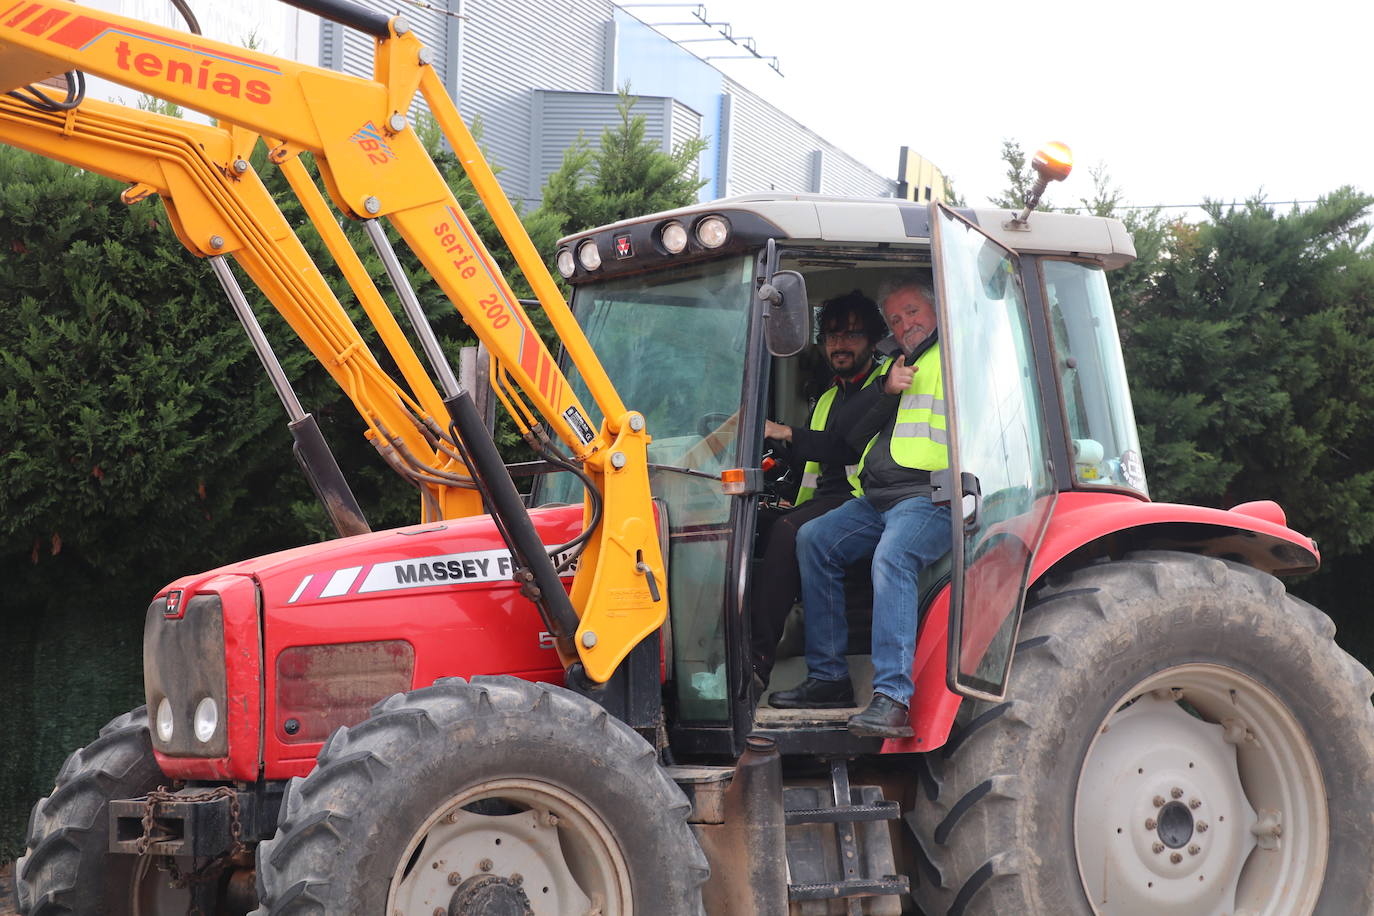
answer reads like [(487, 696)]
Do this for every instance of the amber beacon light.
[(1052, 162)]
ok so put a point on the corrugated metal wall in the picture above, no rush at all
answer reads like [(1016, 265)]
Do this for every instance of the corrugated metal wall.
[(512, 47), (520, 55), (770, 151), (686, 125), (351, 51), (558, 118)]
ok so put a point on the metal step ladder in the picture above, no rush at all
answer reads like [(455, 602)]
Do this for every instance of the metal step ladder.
[(848, 881)]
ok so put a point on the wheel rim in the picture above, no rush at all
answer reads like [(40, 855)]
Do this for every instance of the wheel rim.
[(1201, 794), (511, 846), (151, 890)]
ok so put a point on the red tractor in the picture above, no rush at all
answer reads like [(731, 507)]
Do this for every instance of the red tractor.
[(542, 704)]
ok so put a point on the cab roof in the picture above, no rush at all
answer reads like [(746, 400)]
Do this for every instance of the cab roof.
[(865, 221)]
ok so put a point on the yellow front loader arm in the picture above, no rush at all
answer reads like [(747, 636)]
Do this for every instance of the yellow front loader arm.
[(373, 166)]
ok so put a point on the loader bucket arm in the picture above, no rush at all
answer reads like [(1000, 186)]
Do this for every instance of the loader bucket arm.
[(372, 165)]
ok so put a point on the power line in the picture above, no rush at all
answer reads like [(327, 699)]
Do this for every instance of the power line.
[(1200, 206)]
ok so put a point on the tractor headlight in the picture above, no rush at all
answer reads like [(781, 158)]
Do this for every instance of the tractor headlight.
[(206, 719), (165, 725), (713, 231), (674, 238), (588, 256), (566, 265)]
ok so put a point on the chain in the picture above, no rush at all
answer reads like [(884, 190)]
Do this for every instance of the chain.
[(211, 869)]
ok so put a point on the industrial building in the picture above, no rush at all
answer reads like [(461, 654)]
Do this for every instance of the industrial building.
[(537, 73)]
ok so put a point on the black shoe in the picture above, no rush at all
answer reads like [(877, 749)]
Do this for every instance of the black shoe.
[(814, 694), (884, 718)]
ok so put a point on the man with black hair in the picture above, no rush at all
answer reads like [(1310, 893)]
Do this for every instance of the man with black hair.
[(849, 327), (903, 439)]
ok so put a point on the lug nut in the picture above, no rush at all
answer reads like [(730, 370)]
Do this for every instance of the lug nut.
[(551, 819), (1151, 823), (454, 878), (1194, 803), (1201, 826), (1176, 792), (1159, 801), (1158, 848), (1194, 849), (1175, 858), (485, 865)]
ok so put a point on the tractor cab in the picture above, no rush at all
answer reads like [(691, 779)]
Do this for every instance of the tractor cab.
[(703, 316)]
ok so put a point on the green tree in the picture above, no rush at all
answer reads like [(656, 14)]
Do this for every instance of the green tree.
[(138, 423), (626, 175), (1251, 353), (1261, 323), (1020, 177)]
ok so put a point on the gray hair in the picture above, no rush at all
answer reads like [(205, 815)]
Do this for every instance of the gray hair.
[(920, 280)]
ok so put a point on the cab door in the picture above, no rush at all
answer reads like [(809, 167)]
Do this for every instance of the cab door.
[(1000, 473)]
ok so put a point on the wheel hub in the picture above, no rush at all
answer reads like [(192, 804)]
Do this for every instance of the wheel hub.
[(1155, 783), (1175, 825), (490, 895), (1200, 795), (510, 847)]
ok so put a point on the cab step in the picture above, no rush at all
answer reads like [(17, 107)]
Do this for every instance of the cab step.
[(839, 849)]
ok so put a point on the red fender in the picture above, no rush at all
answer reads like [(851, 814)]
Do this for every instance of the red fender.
[(1254, 533)]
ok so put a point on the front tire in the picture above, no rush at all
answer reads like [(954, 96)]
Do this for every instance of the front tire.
[(498, 795), (68, 867), (1180, 737)]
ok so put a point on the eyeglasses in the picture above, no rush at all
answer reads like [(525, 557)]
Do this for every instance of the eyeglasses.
[(842, 336)]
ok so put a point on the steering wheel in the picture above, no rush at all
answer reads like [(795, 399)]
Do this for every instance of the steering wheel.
[(711, 422)]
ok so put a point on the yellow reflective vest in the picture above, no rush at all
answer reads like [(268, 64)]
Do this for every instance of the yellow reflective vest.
[(811, 473), (920, 439)]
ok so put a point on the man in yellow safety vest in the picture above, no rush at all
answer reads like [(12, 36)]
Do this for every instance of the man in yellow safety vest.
[(893, 521), (849, 326)]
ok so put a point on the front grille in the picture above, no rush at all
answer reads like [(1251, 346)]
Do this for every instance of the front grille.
[(183, 661)]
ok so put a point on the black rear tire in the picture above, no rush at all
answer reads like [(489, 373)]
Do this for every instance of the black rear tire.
[(1003, 810), (68, 867), (435, 781)]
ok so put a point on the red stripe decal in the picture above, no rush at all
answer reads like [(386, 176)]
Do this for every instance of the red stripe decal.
[(45, 22), (11, 9), (226, 55), (78, 32), (543, 375), (20, 17), (529, 354)]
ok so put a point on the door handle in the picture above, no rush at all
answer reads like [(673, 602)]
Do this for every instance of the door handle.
[(970, 495)]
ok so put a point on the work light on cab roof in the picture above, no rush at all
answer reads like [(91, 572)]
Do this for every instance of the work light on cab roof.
[(1052, 162)]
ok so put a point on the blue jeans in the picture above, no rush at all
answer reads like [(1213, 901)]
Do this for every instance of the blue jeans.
[(902, 541)]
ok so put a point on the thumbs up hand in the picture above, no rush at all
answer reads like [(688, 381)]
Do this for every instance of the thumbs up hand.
[(898, 378)]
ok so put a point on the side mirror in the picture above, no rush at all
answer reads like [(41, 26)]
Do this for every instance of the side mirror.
[(786, 313)]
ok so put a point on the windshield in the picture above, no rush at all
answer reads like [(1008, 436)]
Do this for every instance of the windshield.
[(1106, 452), (674, 344)]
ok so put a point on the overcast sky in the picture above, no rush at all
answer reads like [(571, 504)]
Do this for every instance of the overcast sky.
[(1180, 100)]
